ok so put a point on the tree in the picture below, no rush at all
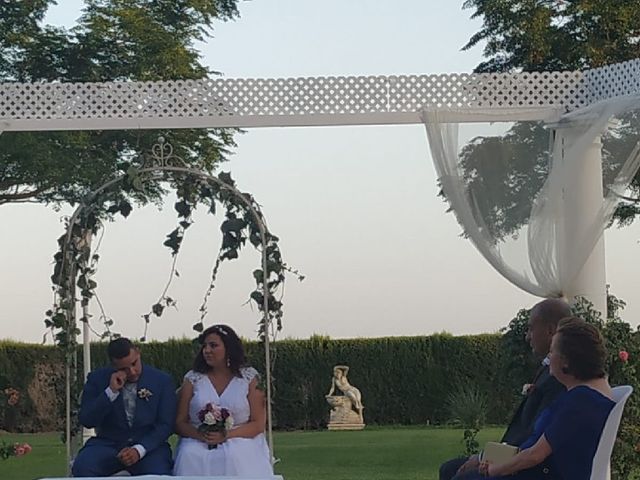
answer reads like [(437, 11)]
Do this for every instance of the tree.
[(548, 35), (113, 40), (545, 35)]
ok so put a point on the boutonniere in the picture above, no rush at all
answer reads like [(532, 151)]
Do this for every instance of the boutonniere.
[(145, 394), (528, 388)]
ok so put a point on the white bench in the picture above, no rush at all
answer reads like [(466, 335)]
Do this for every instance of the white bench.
[(166, 477)]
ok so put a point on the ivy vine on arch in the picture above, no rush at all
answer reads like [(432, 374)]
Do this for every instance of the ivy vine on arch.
[(75, 264)]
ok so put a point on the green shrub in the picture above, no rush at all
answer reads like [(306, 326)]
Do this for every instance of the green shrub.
[(468, 408)]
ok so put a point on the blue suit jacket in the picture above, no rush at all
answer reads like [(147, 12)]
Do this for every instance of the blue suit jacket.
[(154, 417), (547, 390)]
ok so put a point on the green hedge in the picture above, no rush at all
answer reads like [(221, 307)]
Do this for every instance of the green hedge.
[(37, 372), (403, 380)]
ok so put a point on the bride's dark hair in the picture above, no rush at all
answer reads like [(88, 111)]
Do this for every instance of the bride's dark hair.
[(232, 345)]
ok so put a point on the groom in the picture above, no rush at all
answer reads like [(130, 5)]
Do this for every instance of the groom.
[(133, 409)]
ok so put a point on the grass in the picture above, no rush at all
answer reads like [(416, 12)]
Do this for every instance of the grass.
[(373, 454)]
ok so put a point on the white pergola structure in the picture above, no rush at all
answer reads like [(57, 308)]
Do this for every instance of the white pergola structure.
[(323, 101)]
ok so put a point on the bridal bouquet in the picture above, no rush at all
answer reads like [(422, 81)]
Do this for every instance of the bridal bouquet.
[(214, 418)]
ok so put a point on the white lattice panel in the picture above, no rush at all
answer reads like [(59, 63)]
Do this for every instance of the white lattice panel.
[(613, 80), (299, 101), (474, 91), (303, 96)]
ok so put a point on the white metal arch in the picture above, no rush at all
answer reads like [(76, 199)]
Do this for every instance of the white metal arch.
[(163, 162)]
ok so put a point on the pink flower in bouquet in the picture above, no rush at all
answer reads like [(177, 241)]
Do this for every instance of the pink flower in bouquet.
[(27, 448), (624, 356)]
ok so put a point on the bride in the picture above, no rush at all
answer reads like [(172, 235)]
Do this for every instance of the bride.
[(219, 377)]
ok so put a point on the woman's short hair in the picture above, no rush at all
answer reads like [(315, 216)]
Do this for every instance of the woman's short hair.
[(232, 345), (582, 346)]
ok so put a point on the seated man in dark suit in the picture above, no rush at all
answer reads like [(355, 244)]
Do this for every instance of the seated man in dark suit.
[(543, 321), (133, 409)]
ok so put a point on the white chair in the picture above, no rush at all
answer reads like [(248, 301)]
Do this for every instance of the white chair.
[(600, 468)]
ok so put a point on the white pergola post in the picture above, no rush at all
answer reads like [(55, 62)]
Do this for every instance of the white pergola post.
[(583, 196)]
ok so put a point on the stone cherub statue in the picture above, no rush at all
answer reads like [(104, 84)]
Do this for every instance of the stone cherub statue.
[(346, 407)]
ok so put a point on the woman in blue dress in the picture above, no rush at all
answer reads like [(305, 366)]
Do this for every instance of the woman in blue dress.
[(566, 434)]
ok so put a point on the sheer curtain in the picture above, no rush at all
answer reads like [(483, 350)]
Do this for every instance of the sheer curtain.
[(510, 192)]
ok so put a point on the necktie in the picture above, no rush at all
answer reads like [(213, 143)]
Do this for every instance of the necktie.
[(129, 399)]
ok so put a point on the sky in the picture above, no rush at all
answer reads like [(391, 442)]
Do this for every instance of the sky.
[(356, 208)]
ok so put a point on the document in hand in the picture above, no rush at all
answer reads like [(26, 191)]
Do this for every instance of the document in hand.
[(498, 453)]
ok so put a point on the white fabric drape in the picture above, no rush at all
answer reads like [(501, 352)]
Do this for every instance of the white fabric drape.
[(541, 256)]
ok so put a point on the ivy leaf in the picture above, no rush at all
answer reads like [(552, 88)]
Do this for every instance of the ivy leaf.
[(157, 309), (183, 208), (173, 241), (125, 208), (137, 184), (113, 208), (229, 241), (225, 177), (233, 224), (257, 297), (258, 275), (146, 318), (133, 172), (230, 254), (185, 224), (198, 327), (255, 238)]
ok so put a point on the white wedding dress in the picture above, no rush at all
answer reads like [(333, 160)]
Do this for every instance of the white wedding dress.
[(238, 457)]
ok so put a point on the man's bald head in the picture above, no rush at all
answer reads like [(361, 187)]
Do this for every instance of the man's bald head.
[(543, 322), (551, 311)]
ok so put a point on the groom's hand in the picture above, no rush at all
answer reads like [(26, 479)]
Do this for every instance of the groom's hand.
[(117, 380), (128, 456)]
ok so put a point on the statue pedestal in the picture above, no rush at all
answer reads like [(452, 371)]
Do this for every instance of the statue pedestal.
[(345, 426), (342, 416)]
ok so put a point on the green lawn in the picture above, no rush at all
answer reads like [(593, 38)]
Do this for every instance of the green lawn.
[(373, 454)]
